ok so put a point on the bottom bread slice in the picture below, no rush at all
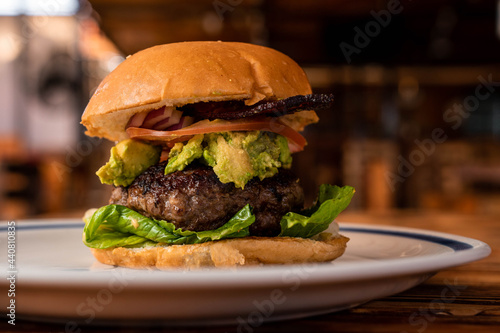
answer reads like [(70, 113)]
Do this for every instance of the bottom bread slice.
[(226, 253)]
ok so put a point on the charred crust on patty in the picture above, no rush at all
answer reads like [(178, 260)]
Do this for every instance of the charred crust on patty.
[(195, 199)]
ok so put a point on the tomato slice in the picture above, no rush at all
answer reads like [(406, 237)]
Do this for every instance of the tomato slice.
[(296, 140)]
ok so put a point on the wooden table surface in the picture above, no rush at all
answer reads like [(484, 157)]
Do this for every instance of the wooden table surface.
[(476, 307)]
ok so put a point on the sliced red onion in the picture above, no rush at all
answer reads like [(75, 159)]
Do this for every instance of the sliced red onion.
[(156, 116), (184, 122), (137, 119), (165, 118), (174, 118)]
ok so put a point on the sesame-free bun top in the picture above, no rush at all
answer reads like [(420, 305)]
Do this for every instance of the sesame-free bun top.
[(183, 73)]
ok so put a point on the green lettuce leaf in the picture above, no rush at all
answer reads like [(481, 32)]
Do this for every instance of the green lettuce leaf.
[(119, 226), (331, 201), (115, 225)]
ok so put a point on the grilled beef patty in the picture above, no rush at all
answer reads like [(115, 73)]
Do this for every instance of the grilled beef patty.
[(195, 199)]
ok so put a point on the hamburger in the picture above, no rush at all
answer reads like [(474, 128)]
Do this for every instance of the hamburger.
[(205, 133)]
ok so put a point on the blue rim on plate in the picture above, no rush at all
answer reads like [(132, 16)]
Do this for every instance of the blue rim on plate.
[(451, 243)]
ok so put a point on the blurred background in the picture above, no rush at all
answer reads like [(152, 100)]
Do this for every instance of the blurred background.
[(415, 125)]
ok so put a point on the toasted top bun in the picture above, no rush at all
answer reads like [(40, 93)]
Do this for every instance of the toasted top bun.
[(226, 253), (190, 72)]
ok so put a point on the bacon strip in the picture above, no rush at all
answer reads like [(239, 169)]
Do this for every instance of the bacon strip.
[(232, 110)]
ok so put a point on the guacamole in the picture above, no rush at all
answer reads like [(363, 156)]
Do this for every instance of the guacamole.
[(235, 157), (129, 158)]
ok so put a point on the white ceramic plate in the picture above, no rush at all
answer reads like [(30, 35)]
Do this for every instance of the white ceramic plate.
[(58, 279)]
